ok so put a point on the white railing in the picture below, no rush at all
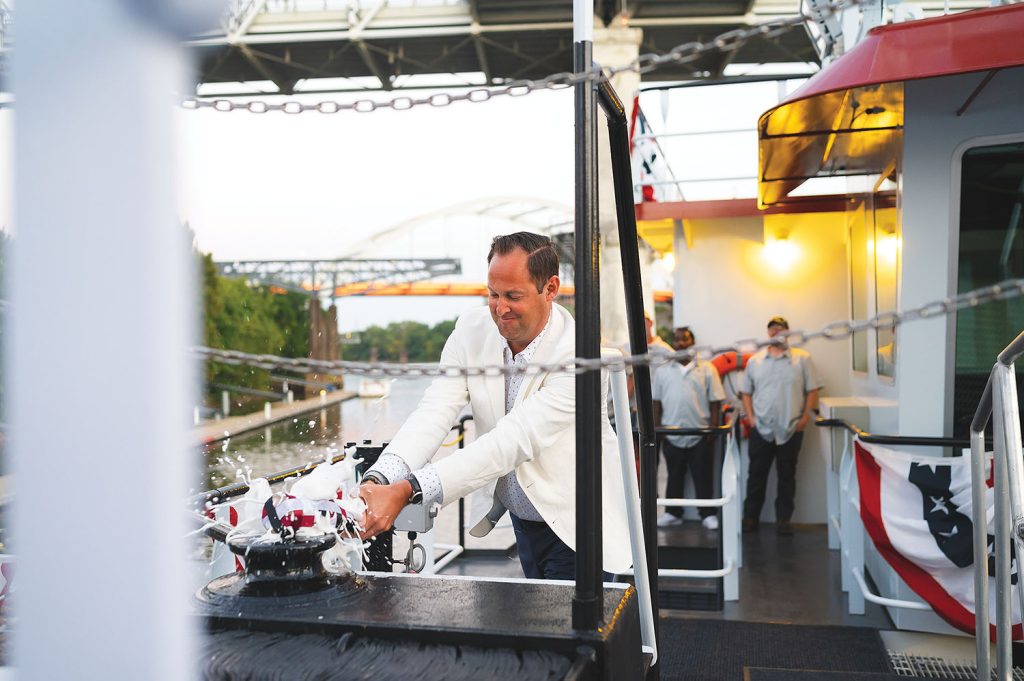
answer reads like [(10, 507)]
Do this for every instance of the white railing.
[(851, 540), (731, 527), (999, 402)]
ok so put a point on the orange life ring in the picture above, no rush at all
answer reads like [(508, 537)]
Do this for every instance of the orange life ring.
[(730, 361)]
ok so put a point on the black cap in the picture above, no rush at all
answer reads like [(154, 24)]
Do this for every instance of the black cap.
[(779, 321)]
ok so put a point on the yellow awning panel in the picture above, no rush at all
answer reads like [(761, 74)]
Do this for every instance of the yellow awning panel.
[(847, 132), (657, 233)]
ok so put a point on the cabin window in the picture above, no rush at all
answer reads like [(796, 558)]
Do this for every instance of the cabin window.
[(886, 250), (873, 221), (991, 249), (856, 215)]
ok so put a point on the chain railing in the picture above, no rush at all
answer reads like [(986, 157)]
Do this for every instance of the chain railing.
[(727, 42), (1011, 288)]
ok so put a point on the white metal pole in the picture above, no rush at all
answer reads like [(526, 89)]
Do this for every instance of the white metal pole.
[(1001, 494), (620, 403), (582, 21), (980, 540), (105, 596)]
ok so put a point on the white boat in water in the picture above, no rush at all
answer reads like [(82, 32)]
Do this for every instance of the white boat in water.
[(374, 387)]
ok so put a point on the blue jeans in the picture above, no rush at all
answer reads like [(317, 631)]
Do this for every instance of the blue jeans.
[(542, 554)]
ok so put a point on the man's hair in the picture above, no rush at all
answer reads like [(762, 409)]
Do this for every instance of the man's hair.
[(542, 260), (685, 330)]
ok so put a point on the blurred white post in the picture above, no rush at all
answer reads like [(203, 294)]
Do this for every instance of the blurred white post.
[(225, 403), (94, 132), (266, 410)]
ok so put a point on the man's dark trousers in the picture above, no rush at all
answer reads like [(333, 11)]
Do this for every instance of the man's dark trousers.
[(542, 554), (762, 453), (700, 460)]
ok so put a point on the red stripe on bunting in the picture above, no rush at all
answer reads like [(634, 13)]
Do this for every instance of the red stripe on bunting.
[(869, 476)]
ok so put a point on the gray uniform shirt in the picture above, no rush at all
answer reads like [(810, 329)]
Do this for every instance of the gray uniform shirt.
[(686, 394), (778, 387), (655, 347)]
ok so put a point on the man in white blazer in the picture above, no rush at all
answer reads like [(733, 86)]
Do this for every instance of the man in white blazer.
[(525, 423)]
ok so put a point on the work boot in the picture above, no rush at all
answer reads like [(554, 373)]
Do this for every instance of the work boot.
[(784, 527), (749, 525)]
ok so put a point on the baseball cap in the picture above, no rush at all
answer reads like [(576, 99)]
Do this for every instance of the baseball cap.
[(779, 321)]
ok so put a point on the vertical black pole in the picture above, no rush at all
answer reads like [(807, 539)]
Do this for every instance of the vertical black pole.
[(462, 501), (618, 136), (587, 606)]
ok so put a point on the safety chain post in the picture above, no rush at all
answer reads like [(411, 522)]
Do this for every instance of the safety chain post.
[(841, 330), (588, 600), (727, 42)]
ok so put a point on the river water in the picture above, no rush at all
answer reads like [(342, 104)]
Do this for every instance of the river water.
[(313, 436)]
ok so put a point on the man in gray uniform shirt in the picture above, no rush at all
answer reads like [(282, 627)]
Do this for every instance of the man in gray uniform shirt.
[(780, 392), (688, 394)]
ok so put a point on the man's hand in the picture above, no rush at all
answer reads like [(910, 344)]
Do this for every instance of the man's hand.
[(750, 421), (802, 423), (383, 504)]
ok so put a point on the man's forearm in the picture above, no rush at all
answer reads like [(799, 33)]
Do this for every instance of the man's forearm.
[(716, 414), (810, 402), (748, 406)]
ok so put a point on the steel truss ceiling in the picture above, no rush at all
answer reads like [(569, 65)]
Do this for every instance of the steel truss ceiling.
[(287, 41), (387, 44)]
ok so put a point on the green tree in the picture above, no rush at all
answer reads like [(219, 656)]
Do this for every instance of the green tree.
[(250, 319), (422, 343)]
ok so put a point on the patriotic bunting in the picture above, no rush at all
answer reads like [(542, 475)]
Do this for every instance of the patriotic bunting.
[(917, 511)]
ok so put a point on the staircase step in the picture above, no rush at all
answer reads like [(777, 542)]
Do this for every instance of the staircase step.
[(766, 674)]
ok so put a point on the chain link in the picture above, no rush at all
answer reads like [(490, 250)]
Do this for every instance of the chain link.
[(841, 330), (727, 42)]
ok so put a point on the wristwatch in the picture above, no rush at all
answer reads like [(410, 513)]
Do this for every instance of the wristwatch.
[(374, 477), (417, 492)]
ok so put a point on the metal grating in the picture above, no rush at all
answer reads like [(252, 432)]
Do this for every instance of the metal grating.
[(938, 668)]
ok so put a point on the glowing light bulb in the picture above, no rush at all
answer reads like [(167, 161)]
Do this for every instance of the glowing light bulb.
[(888, 247), (781, 254)]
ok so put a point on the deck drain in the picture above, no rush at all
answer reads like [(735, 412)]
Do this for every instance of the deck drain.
[(937, 668)]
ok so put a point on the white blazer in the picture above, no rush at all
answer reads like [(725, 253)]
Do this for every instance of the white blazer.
[(536, 439)]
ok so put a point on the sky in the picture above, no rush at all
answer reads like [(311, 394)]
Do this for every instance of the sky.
[(279, 186), (316, 186)]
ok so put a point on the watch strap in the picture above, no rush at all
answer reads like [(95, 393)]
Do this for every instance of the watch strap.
[(417, 492)]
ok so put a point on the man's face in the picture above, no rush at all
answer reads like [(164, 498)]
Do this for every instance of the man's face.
[(517, 309), (773, 331), (684, 340)]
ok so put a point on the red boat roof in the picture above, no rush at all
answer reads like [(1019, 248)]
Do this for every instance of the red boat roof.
[(979, 40)]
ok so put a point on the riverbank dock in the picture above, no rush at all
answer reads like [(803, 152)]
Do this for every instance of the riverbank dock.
[(222, 429)]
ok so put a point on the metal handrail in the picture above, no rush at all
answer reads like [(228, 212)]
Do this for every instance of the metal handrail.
[(660, 432), (728, 566), (872, 597), (909, 440), (998, 403), (678, 430)]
